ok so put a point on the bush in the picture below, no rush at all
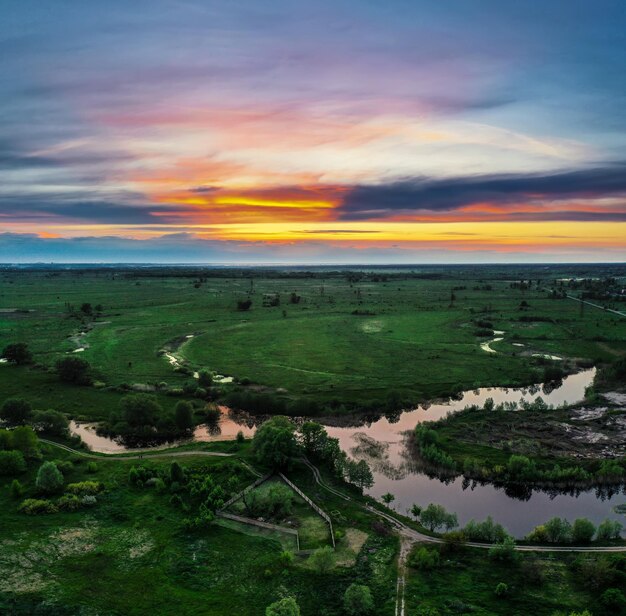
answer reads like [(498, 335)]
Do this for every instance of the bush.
[(240, 437), (85, 487), (49, 479), (501, 590), (89, 500), (69, 502), (12, 463), (284, 607), (504, 551), (323, 559), (92, 467), (16, 411), (486, 531), (17, 489), (36, 506), (357, 600), (65, 466), (423, 558)]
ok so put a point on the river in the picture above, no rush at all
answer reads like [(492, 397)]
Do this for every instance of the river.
[(395, 472)]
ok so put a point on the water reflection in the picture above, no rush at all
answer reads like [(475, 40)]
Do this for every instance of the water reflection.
[(381, 441)]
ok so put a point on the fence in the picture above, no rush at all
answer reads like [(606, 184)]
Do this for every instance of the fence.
[(317, 509), (247, 489), (267, 525)]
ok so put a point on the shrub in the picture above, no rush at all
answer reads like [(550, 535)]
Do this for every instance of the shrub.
[(89, 500), (16, 411), (36, 506), (85, 487), (504, 551), (323, 559), (501, 590), (49, 478), (69, 502), (92, 467), (12, 463), (240, 437), (423, 558), (17, 489), (357, 600), (65, 466), (284, 607), (24, 439)]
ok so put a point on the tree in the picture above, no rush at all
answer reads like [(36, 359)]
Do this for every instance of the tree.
[(284, 607), (140, 410), (16, 411), (205, 379), (323, 559), (86, 309), (388, 498), (609, 529), (51, 422), (435, 517), (583, 530), (558, 530), (502, 590), (177, 474), (17, 353), (24, 439), (313, 438), (183, 416), (359, 474), (416, 510), (357, 600), (12, 463), (49, 478), (73, 370), (274, 443), (613, 599)]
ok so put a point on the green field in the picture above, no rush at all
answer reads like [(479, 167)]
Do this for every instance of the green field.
[(347, 341), (130, 553)]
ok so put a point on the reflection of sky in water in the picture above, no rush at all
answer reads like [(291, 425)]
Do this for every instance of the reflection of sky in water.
[(397, 474)]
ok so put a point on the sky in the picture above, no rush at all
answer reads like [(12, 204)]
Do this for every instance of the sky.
[(344, 131)]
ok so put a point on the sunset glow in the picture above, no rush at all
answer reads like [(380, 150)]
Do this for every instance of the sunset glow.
[(198, 125)]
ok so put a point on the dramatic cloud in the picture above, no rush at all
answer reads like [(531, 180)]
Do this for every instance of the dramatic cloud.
[(410, 196), (328, 127)]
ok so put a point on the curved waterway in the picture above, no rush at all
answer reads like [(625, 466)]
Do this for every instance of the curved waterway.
[(394, 471)]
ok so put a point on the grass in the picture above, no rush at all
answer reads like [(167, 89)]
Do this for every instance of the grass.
[(409, 337), (130, 555), (466, 581)]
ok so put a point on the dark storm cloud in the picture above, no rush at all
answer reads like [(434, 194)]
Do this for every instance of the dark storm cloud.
[(441, 195)]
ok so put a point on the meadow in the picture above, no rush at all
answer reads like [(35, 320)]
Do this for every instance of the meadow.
[(339, 339)]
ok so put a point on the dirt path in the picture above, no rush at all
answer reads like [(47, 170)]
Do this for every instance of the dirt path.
[(141, 456)]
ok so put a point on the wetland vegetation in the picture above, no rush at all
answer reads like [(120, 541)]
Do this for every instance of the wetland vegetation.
[(152, 356)]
